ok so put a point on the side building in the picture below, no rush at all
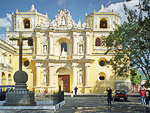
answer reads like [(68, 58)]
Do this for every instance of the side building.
[(64, 53)]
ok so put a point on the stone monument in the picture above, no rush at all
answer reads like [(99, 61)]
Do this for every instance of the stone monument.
[(20, 96)]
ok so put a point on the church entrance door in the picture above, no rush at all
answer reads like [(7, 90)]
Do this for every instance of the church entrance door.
[(64, 82)]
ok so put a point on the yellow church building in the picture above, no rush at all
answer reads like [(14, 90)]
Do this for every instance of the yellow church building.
[(61, 52)]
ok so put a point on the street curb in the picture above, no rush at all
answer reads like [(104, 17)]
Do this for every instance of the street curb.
[(39, 107), (100, 95)]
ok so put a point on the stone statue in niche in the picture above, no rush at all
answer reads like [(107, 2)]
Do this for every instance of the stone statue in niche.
[(6, 62), (70, 24), (63, 21), (55, 24), (45, 79), (45, 39), (80, 79), (63, 52), (80, 49), (44, 49)]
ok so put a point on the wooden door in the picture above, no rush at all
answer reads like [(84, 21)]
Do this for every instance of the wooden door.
[(64, 82)]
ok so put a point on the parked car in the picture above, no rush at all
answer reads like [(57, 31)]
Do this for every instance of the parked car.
[(120, 94)]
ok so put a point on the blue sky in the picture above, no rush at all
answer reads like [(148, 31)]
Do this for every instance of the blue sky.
[(77, 8)]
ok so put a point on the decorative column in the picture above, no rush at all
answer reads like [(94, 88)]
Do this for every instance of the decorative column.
[(87, 45), (38, 74), (6, 77), (51, 74), (38, 45), (74, 74), (87, 74), (74, 45)]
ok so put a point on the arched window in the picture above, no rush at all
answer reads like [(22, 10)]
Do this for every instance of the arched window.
[(103, 23), (9, 76), (26, 23), (98, 42), (64, 45), (3, 78)]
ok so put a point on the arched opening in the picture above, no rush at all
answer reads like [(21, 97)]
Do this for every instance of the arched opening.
[(3, 78), (98, 42), (9, 79), (103, 23), (64, 46), (64, 79), (9, 59), (26, 23)]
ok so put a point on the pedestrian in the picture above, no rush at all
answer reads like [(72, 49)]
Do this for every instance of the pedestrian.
[(109, 95), (147, 97), (72, 94), (142, 93), (75, 89), (44, 91)]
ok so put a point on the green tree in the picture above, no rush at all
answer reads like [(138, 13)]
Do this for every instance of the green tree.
[(131, 42), (135, 77)]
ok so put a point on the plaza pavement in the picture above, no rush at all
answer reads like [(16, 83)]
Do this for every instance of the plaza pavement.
[(92, 103)]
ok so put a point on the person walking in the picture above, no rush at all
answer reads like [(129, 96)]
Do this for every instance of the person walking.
[(142, 93), (109, 95), (147, 97), (75, 89)]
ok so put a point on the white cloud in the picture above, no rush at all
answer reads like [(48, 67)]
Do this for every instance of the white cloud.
[(6, 21), (109, 2), (119, 8), (2, 36), (61, 2), (9, 17)]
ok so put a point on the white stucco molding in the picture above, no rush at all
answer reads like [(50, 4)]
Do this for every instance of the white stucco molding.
[(50, 65), (74, 64), (38, 64), (87, 64)]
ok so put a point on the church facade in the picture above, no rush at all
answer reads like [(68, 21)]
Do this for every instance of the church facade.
[(62, 52)]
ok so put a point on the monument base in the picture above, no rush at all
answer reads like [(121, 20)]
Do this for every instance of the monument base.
[(20, 98)]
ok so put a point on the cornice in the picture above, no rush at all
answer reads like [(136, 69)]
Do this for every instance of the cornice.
[(63, 61)]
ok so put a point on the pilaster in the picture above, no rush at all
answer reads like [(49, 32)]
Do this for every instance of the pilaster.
[(51, 43), (51, 73), (87, 74), (38, 49), (74, 79), (87, 45), (38, 74), (74, 45)]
